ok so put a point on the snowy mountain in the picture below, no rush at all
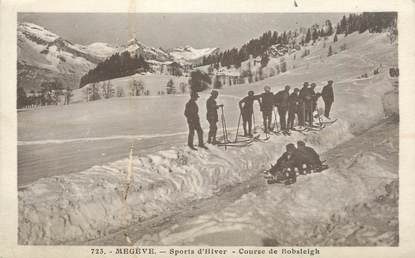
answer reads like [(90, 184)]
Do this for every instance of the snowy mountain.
[(99, 49), (149, 53), (191, 55), (43, 55)]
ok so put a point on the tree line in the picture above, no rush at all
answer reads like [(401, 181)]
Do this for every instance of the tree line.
[(375, 22), (259, 46), (118, 65)]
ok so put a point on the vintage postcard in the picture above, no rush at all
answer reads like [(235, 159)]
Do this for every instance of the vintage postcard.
[(195, 128)]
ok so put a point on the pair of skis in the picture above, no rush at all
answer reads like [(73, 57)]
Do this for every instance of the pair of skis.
[(242, 143)]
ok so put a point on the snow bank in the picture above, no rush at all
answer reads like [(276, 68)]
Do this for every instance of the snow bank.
[(345, 205), (90, 204)]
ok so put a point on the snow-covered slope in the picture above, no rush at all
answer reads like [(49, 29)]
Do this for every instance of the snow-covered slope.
[(191, 55), (99, 49), (43, 55), (149, 53)]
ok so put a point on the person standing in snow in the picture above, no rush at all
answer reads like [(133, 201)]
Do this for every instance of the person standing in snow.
[(306, 95), (212, 116), (328, 96), (281, 101), (246, 105), (294, 105), (191, 113), (301, 113), (266, 103)]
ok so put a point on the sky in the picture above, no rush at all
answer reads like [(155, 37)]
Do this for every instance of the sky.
[(169, 30)]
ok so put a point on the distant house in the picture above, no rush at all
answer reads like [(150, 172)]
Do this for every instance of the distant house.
[(228, 77)]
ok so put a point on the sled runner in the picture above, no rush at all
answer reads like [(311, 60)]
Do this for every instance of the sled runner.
[(289, 176)]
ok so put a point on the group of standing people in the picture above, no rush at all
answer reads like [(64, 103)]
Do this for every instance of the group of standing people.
[(301, 103)]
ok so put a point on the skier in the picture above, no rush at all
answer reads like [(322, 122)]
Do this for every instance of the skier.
[(301, 113), (328, 97), (306, 95), (281, 101), (246, 105), (212, 116), (294, 105), (191, 113), (266, 103), (314, 96), (307, 156)]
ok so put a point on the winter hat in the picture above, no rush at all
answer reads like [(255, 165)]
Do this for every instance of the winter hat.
[(214, 93)]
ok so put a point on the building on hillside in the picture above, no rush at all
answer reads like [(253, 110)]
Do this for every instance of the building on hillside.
[(227, 77)]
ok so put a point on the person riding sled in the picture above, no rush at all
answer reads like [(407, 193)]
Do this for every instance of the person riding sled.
[(308, 159), (284, 169)]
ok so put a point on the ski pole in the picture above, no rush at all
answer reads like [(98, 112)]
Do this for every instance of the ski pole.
[(223, 129), (237, 128), (224, 122), (253, 116)]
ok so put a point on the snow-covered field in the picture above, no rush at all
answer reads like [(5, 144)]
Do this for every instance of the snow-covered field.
[(78, 184)]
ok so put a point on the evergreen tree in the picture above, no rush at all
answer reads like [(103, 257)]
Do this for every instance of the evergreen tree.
[(335, 38), (199, 81), (314, 35), (264, 60), (308, 36), (170, 89), (217, 84), (330, 51), (21, 97)]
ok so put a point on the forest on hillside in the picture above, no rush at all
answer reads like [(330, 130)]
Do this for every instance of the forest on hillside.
[(374, 22)]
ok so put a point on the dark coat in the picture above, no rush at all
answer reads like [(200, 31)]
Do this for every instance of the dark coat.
[(191, 111), (294, 101), (267, 101), (306, 94), (281, 99), (307, 156), (327, 94), (248, 107), (212, 110)]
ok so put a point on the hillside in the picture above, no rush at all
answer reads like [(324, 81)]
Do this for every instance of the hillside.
[(43, 55)]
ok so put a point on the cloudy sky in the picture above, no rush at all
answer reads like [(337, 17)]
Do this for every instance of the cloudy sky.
[(168, 30)]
